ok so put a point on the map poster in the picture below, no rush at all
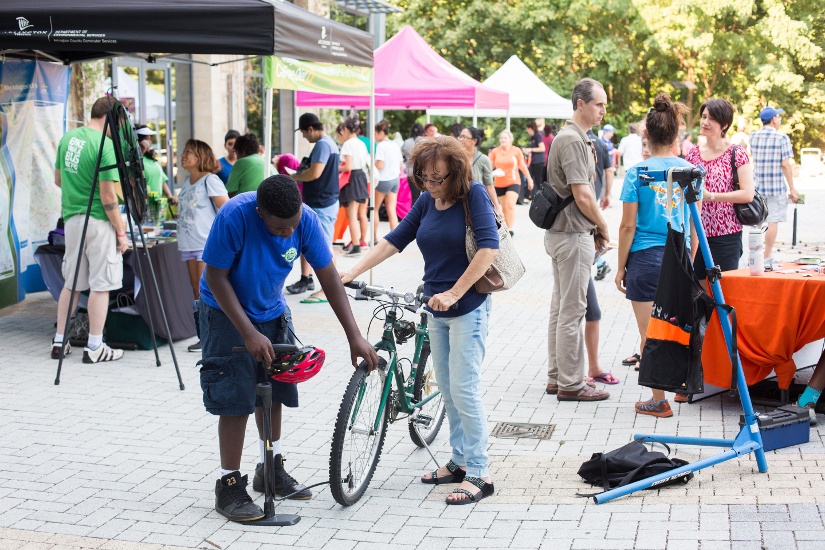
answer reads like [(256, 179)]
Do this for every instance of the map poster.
[(33, 98)]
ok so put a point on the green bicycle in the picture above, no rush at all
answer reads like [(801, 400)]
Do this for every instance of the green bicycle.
[(370, 403)]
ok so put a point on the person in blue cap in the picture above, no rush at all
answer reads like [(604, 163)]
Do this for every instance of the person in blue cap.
[(607, 137), (773, 159)]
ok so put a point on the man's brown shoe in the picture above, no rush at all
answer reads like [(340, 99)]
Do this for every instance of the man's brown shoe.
[(553, 389), (585, 394)]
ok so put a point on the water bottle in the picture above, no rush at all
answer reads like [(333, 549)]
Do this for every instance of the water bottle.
[(756, 251)]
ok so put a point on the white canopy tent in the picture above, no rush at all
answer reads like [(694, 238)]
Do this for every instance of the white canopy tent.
[(529, 96)]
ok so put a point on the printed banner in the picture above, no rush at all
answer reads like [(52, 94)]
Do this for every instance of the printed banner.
[(33, 98), (285, 73)]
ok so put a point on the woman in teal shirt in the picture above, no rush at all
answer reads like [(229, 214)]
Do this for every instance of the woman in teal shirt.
[(643, 230)]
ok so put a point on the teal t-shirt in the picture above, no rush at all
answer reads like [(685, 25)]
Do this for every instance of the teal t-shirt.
[(155, 176), (246, 175), (652, 217), (77, 160)]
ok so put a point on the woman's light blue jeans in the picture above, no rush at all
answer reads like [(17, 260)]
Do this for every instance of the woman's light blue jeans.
[(458, 346)]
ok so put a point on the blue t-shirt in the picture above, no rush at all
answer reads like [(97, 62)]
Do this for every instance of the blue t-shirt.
[(259, 261), (225, 169), (652, 218), (440, 237), (323, 191)]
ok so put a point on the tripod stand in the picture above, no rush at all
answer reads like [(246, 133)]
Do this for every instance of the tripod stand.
[(749, 439), (131, 176)]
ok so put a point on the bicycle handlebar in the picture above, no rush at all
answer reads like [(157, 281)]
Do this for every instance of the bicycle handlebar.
[(277, 347), (408, 297)]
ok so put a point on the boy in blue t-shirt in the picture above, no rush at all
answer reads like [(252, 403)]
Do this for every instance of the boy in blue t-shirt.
[(249, 252)]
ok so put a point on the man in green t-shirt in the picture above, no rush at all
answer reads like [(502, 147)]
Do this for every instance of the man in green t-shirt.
[(100, 267), (249, 170)]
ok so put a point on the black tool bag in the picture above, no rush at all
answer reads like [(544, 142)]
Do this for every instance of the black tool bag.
[(630, 463), (672, 356)]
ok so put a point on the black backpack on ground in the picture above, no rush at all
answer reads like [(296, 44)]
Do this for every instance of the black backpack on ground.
[(630, 463)]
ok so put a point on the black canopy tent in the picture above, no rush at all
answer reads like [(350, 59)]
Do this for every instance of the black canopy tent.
[(64, 32), (79, 30)]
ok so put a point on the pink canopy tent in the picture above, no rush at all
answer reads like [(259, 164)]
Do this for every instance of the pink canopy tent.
[(410, 75)]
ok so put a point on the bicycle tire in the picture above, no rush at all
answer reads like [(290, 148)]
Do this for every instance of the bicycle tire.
[(351, 469), (422, 387)]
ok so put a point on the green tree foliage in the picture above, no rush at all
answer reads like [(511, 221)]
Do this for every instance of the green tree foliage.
[(752, 52)]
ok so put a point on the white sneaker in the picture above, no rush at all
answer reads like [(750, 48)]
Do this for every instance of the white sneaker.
[(768, 264), (101, 354)]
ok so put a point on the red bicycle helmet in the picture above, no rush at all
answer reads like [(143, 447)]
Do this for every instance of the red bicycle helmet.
[(297, 366)]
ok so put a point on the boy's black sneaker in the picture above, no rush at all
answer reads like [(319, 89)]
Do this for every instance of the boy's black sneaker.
[(232, 501), (285, 484), (303, 284), (56, 349)]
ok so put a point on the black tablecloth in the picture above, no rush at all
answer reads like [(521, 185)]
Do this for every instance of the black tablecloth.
[(171, 274)]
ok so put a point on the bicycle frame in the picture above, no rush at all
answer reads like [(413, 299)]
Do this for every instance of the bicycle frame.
[(388, 345)]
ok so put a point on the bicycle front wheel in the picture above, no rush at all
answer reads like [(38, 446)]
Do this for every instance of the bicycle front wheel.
[(356, 442), (431, 415)]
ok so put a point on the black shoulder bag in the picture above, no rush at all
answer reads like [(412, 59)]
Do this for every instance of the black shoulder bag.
[(546, 206), (751, 213)]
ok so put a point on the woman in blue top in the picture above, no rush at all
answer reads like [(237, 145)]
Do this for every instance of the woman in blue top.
[(440, 167), (643, 231)]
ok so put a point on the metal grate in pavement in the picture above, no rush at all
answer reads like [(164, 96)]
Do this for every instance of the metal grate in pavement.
[(517, 430)]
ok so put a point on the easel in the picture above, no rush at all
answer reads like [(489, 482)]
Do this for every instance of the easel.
[(749, 439), (110, 123)]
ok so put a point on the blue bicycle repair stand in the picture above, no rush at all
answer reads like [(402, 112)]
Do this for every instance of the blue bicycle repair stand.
[(749, 439)]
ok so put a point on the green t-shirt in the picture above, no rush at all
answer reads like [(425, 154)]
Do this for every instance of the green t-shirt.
[(246, 175), (76, 160), (155, 176)]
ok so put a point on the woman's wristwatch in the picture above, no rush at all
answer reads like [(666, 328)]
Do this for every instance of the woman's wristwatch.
[(711, 196)]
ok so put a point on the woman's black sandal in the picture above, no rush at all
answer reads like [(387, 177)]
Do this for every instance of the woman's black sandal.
[(456, 475), (487, 490)]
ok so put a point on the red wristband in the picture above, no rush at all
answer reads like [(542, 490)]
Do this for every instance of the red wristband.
[(121, 234)]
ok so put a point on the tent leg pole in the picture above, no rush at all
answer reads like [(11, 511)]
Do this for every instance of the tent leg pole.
[(268, 93), (373, 173)]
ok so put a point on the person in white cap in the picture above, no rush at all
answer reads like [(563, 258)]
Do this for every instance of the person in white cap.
[(156, 179), (772, 159)]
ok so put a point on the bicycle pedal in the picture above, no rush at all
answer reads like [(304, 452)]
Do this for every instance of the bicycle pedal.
[(424, 420)]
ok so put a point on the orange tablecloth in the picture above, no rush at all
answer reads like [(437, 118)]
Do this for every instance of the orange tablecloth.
[(777, 313)]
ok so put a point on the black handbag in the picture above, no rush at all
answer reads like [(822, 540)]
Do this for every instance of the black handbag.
[(751, 213)]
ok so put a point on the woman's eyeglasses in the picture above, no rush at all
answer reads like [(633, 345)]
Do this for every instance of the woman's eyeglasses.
[(420, 177)]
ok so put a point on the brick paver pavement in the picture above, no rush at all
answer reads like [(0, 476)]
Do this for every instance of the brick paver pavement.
[(116, 457)]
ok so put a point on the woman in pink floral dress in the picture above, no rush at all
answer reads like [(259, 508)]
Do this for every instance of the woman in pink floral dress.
[(719, 220)]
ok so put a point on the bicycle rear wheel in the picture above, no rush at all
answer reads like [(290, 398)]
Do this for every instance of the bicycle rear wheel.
[(356, 444), (431, 415)]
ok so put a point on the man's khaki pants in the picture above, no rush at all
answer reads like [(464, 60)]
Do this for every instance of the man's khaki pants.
[(572, 255)]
